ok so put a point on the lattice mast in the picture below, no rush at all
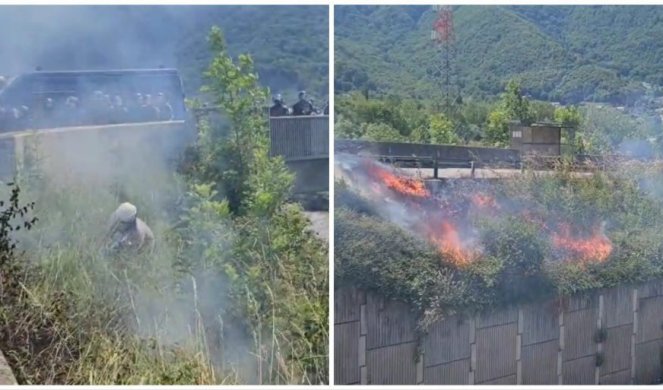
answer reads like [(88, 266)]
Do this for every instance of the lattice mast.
[(444, 40)]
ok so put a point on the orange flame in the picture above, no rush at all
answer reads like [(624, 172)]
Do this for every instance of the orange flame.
[(450, 245), (403, 185), (484, 201), (595, 248)]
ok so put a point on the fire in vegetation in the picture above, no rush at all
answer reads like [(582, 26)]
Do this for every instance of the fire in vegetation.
[(594, 248), (445, 218), (403, 185), (447, 240), (484, 201)]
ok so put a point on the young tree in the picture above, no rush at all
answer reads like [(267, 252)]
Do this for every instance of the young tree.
[(512, 107), (237, 157)]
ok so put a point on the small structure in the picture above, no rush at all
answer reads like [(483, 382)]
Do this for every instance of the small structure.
[(541, 139)]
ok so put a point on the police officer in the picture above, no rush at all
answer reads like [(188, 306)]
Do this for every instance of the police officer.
[(127, 231), (278, 109), (71, 115), (303, 106), (98, 109), (47, 114), (164, 107), (149, 112)]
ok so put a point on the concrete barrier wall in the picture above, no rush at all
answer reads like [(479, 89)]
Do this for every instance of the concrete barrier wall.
[(612, 336), (92, 151)]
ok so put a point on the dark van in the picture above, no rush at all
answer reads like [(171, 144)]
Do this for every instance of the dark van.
[(94, 97)]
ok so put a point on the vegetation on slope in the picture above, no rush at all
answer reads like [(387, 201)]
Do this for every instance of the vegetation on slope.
[(517, 264)]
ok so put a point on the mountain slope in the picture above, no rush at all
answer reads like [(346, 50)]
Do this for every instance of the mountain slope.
[(565, 53)]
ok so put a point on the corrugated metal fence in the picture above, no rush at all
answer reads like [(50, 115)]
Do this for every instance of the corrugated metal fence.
[(612, 336), (300, 137)]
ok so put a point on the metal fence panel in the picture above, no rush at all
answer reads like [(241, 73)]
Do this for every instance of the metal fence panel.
[(497, 317), (347, 302), (616, 378), (540, 323), (618, 306), (539, 363), (650, 319), (388, 322), (395, 364), (579, 331), (346, 353), (496, 352), (446, 341), (653, 288), (579, 371), (507, 380), (299, 137), (617, 349), (453, 373), (648, 362)]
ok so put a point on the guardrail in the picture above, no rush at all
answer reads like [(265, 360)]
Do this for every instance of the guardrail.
[(479, 155)]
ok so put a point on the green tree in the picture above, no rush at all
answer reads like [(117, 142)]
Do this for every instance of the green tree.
[(568, 116), (515, 105), (497, 129), (441, 130), (571, 117), (381, 132)]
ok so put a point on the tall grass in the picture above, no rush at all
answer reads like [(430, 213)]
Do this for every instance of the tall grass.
[(75, 315)]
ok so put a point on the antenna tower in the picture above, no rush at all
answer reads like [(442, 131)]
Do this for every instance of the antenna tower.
[(444, 39)]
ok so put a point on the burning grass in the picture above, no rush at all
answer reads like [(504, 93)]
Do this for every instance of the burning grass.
[(514, 239)]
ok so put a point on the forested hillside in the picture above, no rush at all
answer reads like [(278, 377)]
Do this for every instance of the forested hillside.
[(558, 53)]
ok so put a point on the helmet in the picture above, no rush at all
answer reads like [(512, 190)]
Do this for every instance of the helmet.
[(278, 98), (126, 212), (302, 94)]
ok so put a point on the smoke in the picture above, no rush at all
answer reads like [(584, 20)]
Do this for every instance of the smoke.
[(77, 178), (451, 214), (131, 37), (89, 37)]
